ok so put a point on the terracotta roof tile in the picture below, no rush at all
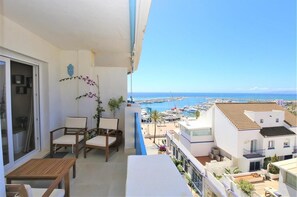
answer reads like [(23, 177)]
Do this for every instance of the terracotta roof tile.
[(235, 113)]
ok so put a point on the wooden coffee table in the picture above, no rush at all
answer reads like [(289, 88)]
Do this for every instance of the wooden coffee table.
[(44, 169)]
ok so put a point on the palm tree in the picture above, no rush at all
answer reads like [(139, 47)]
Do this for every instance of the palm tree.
[(197, 114), (155, 116)]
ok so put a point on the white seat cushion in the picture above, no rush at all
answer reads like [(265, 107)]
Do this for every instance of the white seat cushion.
[(68, 139), (100, 141), (37, 192)]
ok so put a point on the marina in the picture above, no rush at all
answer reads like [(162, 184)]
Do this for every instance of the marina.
[(185, 105)]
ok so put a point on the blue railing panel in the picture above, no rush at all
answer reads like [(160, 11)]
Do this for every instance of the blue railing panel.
[(139, 140)]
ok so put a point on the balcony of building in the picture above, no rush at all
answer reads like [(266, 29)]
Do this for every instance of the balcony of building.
[(249, 154), (124, 171)]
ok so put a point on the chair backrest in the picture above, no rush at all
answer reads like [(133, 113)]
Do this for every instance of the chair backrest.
[(76, 122), (109, 123)]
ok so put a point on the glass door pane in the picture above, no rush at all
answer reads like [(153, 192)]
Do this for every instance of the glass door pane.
[(4, 109), (22, 102)]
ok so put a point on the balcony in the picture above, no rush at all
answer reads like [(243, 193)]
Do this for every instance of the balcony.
[(253, 154)]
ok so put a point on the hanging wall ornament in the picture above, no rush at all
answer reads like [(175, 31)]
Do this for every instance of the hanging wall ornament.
[(70, 70)]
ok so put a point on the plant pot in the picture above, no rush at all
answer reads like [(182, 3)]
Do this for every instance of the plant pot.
[(273, 176), (161, 152)]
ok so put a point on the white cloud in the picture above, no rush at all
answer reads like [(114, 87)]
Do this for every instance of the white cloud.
[(256, 88)]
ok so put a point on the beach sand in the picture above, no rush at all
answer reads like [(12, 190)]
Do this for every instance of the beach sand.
[(161, 129)]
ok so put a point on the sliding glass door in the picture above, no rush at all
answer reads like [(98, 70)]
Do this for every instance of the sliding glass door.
[(18, 109)]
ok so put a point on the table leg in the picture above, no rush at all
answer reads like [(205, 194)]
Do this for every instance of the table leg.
[(66, 185), (74, 169)]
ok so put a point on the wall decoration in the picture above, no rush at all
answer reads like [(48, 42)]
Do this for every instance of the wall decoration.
[(21, 90), (18, 79), (70, 70)]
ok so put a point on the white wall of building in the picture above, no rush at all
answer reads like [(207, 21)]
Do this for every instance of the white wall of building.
[(283, 188), (225, 133), (244, 141), (279, 148), (244, 163), (269, 118)]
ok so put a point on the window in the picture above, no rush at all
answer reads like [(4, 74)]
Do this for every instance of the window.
[(271, 144), (197, 180), (291, 180), (254, 166), (201, 132), (261, 120), (287, 143), (277, 120), (173, 150)]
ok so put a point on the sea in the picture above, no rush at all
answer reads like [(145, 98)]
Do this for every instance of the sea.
[(193, 99)]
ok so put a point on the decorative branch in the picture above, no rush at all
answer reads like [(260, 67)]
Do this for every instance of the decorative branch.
[(90, 82)]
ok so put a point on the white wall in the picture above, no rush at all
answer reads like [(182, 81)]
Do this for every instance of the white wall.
[(244, 163), (201, 149), (245, 138), (268, 117), (225, 133), (283, 188), (112, 83), (279, 149), (19, 43)]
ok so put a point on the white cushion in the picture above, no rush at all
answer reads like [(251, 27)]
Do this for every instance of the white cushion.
[(100, 141), (76, 122), (68, 139), (108, 123), (37, 192)]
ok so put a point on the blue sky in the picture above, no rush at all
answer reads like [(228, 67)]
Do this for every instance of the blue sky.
[(219, 46)]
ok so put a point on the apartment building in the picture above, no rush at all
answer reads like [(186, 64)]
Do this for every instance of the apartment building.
[(246, 133)]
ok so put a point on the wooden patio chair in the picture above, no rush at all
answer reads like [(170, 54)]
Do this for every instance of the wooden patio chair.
[(73, 135), (25, 190), (105, 137)]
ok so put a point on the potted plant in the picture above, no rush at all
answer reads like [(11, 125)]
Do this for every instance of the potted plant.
[(162, 149), (273, 171), (246, 187), (115, 104)]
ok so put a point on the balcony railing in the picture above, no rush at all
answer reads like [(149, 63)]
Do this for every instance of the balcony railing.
[(253, 154), (295, 149), (139, 140)]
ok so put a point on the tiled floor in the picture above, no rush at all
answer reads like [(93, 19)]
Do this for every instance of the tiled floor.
[(95, 177)]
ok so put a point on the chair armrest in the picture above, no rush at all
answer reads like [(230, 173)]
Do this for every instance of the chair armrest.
[(54, 184), (16, 189), (111, 132), (57, 129)]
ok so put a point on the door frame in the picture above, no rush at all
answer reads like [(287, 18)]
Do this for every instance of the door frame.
[(11, 56)]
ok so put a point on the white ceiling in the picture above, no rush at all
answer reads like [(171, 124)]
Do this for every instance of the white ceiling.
[(102, 26)]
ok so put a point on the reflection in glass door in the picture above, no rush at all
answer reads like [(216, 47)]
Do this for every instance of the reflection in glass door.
[(22, 107), (4, 109)]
